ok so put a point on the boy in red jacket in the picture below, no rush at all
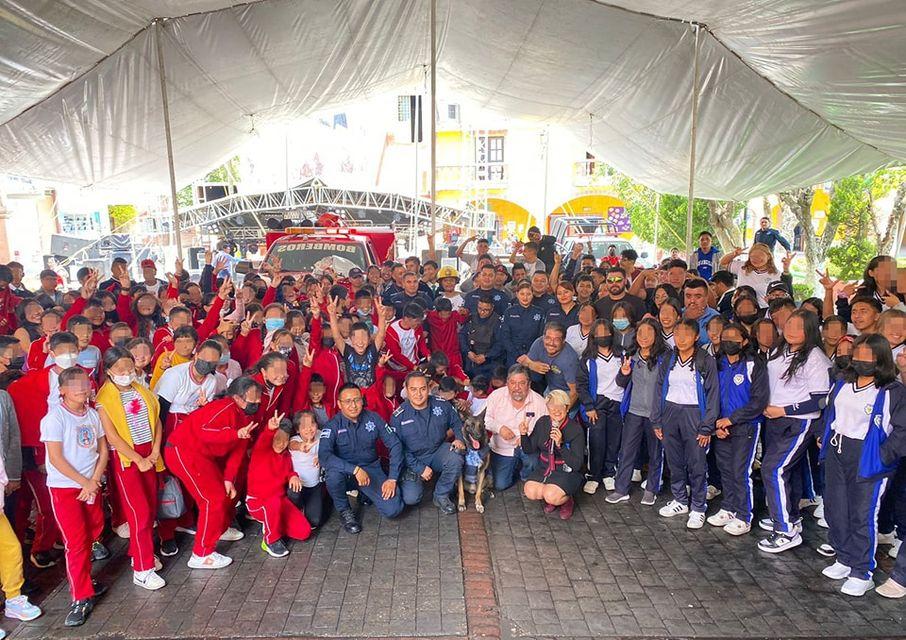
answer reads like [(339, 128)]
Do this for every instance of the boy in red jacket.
[(443, 328), (405, 340), (270, 473)]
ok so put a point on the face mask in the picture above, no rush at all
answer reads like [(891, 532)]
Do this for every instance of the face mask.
[(603, 341), (748, 319), (111, 316), (621, 324), (327, 343), (87, 359), (123, 381), (66, 360), (863, 368), (251, 408), (285, 351), (842, 362), (731, 348), (17, 363), (224, 358), (272, 324), (203, 367), (120, 342)]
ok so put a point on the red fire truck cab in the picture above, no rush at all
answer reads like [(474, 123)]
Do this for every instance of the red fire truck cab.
[(314, 250)]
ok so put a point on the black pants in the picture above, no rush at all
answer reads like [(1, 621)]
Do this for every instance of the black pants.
[(311, 502), (639, 436), (734, 456), (686, 458), (604, 439)]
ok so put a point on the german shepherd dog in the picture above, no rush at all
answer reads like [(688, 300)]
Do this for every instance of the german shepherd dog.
[(478, 459)]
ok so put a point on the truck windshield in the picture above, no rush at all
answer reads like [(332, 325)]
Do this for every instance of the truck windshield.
[(316, 256)]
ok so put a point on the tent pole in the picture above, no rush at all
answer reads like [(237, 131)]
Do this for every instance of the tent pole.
[(433, 122), (696, 88), (657, 223), (177, 232)]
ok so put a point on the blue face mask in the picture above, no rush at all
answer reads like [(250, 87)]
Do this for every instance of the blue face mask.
[(88, 358), (273, 324), (621, 324)]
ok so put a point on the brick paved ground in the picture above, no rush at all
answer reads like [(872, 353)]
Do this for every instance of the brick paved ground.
[(616, 571), (396, 578), (621, 570)]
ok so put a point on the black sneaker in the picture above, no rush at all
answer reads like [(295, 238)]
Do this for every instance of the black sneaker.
[(99, 589), (78, 613), (168, 548), (99, 551), (28, 588), (43, 559), (445, 505), (349, 521), (276, 549)]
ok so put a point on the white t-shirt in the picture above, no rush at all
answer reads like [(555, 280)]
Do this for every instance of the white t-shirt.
[(407, 340), (853, 408), (177, 387), (304, 464), (682, 388), (53, 398), (607, 370), (812, 377), (457, 300), (668, 338), (575, 339), (79, 435), (758, 280)]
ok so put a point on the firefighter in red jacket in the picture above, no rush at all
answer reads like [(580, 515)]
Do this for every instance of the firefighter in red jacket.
[(206, 453)]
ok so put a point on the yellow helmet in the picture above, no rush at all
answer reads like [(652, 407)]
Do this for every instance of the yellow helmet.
[(448, 272)]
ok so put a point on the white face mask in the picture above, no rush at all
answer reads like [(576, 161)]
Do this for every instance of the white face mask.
[(66, 360), (123, 381)]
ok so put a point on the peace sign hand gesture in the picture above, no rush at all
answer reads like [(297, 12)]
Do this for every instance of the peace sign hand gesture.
[(225, 288), (308, 358), (246, 326), (626, 366), (274, 423), (245, 433)]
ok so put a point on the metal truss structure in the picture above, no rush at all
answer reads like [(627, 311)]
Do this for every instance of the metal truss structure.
[(244, 216)]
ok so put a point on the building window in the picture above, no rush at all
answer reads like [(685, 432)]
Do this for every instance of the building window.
[(495, 149), (489, 157), (403, 109), (452, 112)]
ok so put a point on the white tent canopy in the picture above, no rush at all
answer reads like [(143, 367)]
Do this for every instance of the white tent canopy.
[(792, 91)]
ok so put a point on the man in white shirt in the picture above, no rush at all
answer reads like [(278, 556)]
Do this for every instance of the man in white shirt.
[(505, 410)]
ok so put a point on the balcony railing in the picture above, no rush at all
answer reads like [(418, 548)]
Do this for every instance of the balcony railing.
[(491, 175)]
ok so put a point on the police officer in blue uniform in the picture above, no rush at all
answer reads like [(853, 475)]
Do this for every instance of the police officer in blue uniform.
[(484, 282), (521, 324), (541, 294), (421, 424), (349, 458), (410, 292)]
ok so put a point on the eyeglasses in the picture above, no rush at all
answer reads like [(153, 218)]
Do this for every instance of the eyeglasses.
[(351, 401), (615, 280)]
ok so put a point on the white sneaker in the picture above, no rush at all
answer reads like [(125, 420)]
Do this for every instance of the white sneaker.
[(895, 549), (189, 530), (590, 487), (713, 492), (148, 580), (673, 508), (778, 542), (836, 571), (231, 535), (857, 587), (212, 561), (609, 484), (886, 538), (721, 518), (19, 608), (891, 589), (636, 475), (644, 484), (819, 510), (821, 522), (766, 523), (805, 503), (696, 520), (122, 531), (737, 527)]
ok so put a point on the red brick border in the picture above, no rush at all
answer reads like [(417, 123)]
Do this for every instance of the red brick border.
[(482, 612)]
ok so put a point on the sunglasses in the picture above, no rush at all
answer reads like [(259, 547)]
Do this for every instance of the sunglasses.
[(615, 280)]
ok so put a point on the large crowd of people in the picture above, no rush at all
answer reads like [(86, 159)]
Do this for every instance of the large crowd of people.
[(174, 411)]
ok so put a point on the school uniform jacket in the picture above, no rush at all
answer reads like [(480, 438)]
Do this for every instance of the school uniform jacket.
[(744, 389), (707, 386), (211, 431), (269, 471)]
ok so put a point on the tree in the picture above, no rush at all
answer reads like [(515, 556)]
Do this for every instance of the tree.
[(121, 215), (798, 202), (723, 218)]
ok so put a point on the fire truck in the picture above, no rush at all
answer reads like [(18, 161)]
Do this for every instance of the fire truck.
[(314, 250)]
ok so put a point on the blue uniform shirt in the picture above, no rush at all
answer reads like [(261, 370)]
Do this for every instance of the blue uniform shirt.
[(345, 444), (422, 431), (500, 298), (519, 328)]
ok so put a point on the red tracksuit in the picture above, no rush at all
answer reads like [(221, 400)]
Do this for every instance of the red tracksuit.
[(403, 363), (269, 473), (204, 452), (137, 493), (443, 335), (81, 524), (276, 399), (326, 363), (29, 394), (303, 403)]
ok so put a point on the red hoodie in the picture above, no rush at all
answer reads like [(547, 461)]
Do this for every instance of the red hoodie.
[(326, 364), (443, 335), (211, 431), (399, 360), (269, 471), (303, 403)]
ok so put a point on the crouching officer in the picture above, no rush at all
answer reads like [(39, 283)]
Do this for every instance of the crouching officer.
[(349, 457), (421, 424)]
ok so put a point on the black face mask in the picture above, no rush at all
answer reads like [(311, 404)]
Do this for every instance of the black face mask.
[(17, 363), (111, 316), (603, 341), (251, 408), (863, 368), (750, 319), (842, 362), (121, 342), (731, 348), (327, 343), (203, 367)]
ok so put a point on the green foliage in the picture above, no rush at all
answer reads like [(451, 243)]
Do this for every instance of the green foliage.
[(641, 203), (184, 197), (847, 260), (121, 214), (804, 290)]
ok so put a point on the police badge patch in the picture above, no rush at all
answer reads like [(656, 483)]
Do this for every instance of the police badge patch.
[(370, 426), (738, 378), (438, 411)]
